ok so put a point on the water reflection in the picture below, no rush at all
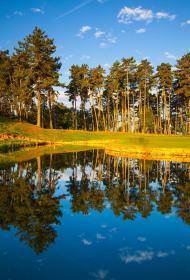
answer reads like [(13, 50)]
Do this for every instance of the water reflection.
[(31, 193)]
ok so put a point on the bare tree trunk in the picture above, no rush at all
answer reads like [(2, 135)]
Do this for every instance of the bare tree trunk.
[(39, 173), (75, 104), (39, 110), (129, 116), (50, 111), (144, 120)]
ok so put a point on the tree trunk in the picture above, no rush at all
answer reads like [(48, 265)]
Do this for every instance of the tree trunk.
[(39, 110), (75, 102), (144, 120), (39, 184), (50, 111), (189, 116)]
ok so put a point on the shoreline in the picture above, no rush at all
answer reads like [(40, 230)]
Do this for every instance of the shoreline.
[(111, 147)]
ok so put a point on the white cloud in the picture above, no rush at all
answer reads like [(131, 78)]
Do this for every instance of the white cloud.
[(113, 230), (128, 15), (37, 11), (170, 55), (67, 58), (101, 274), (111, 39), (103, 45), (137, 257), (104, 225), (162, 254), (187, 22), (101, 1), (106, 66), (85, 57), (107, 38), (164, 15), (86, 242), (99, 33), (84, 29), (141, 30), (141, 238), (99, 236), (18, 13)]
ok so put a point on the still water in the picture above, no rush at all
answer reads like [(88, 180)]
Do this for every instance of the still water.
[(89, 215)]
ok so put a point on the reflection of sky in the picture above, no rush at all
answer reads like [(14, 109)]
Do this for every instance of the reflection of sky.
[(101, 246)]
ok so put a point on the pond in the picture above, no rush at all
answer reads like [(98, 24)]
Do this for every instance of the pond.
[(90, 215)]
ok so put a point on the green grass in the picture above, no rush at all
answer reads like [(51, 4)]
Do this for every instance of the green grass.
[(116, 140)]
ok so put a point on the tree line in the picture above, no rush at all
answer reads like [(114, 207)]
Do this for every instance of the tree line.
[(132, 97)]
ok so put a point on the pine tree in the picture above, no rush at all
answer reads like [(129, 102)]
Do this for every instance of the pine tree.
[(44, 67), (5, 82), (164, 75), (182, 83)]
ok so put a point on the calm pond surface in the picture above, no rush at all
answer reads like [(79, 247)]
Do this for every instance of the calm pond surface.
[(88, 215)]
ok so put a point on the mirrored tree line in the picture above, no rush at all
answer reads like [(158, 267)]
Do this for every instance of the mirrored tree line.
[(132, 97), (95, 181)]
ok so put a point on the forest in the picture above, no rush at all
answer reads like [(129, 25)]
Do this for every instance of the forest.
[(133, 96)]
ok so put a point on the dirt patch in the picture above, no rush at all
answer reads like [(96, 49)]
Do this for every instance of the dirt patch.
[(6, 136)]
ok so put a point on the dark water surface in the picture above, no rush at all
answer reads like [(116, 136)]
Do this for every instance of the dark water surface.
[(88, 215)]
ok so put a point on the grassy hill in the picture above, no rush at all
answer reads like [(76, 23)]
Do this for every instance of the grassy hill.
[(125, 143)]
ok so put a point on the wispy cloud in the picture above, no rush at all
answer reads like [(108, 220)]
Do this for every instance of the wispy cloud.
[(99, 236), (187, 22), (111, 38), (140, 256), (74, 9), (99, 33), (103, 226), (106, 66), (128, 15), (107, 38), (86, 242), (103, 45), (37, 10), (102, 1), (170, 55), (18, 13), (164, 15), (137, 257), (141, 30), (101, 274), (141, 239), (84, 29), (85, 57)]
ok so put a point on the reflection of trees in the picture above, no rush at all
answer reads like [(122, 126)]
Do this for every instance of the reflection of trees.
[(130, 187), (183, 202), (32, 211)]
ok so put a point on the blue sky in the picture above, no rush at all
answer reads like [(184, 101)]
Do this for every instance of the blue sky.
[(101, 31)]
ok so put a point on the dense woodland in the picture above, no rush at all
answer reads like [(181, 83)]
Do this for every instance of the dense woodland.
[(132, 97)]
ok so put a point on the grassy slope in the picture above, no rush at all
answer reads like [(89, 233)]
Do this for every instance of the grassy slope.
[(58, 135), (115, 141)]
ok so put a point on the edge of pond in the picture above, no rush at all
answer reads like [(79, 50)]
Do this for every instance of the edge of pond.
[(32, 150)]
